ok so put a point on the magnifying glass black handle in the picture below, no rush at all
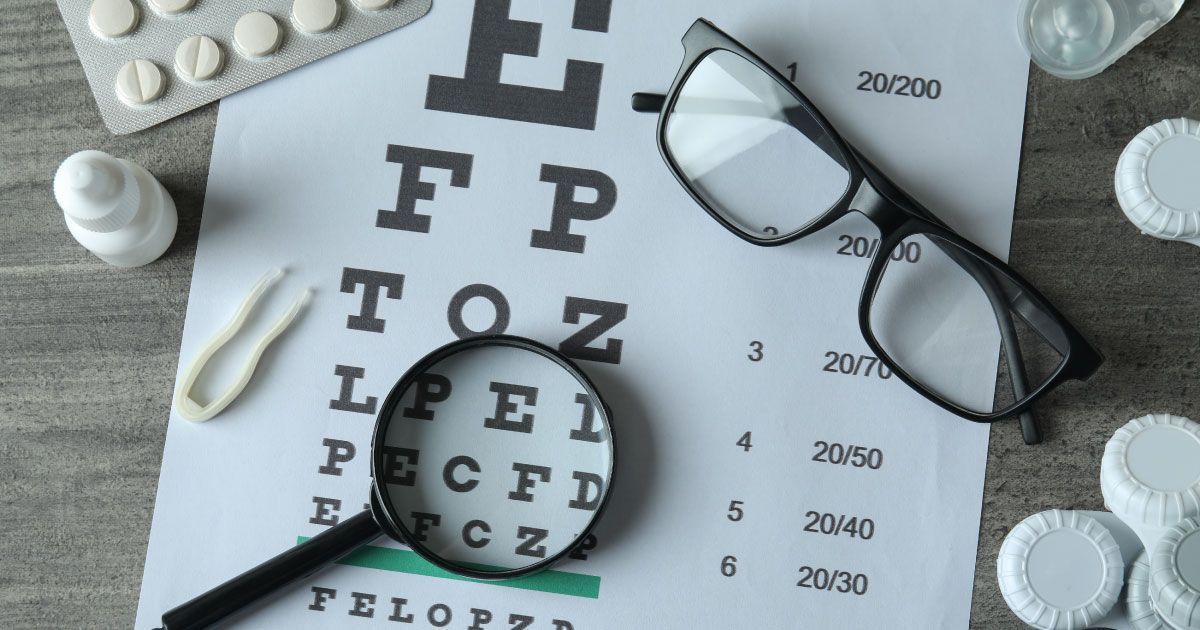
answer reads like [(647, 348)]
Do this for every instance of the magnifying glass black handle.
[(257, 583)]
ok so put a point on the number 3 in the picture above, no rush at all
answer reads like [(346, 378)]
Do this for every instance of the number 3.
[(757, 351)]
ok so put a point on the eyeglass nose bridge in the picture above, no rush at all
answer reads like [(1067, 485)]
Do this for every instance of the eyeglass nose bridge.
[(878, 209)]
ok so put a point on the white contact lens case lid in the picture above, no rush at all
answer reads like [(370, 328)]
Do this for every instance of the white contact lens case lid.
[(1150, 473), (1060, 570), (1175, 575), (1158, 180), (1139, 609)]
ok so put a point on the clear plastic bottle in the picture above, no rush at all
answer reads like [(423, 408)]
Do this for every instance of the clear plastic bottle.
[(115, 208), (1075, 39)]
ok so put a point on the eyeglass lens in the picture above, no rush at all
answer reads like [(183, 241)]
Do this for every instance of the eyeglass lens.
[(751, 150), (935, 298)]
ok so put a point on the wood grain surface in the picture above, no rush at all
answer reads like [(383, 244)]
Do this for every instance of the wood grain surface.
[(88, 352)]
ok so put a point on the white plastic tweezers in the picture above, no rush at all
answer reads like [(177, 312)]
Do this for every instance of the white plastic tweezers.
[(189, 408)]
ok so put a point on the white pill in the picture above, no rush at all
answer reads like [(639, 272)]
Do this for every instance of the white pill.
[(198, 58), (113, 18), (257, 34), (140, 82), (372, 5), (315, 16), (172, 7)]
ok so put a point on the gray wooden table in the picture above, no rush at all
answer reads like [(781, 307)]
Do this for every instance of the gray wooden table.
[(88, 352)]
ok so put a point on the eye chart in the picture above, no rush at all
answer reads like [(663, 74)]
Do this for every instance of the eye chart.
[(482, 171)]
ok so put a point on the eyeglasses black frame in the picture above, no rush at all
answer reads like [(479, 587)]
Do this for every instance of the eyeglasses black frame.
[(897, 216)]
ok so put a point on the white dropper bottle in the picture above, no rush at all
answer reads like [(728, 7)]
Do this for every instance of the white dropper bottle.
[(115, 208)]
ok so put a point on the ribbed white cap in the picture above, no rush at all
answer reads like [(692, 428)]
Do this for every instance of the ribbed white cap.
[(96, 191), (1150, 472), (1138, 607), (1060, 570), (1175, 575), (1157, 181)]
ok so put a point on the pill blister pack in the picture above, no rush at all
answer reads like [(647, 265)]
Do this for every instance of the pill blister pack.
[(150, 60)]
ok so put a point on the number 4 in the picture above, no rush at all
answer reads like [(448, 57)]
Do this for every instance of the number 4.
[(744, 442)]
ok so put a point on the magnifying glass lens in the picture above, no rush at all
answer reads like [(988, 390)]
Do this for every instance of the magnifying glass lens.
[(496, 458)]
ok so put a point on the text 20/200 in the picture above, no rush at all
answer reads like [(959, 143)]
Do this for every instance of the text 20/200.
[(899, 85)]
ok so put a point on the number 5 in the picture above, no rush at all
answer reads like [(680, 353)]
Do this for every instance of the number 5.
[(735, 509)]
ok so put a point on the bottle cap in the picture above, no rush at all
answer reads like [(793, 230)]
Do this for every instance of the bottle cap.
[(1157, 180), (96, 191), (1150, 471), (1138, 607), (1060, 570), (1175, 575)]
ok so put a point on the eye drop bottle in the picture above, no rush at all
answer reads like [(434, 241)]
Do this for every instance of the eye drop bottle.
[(115, 208)]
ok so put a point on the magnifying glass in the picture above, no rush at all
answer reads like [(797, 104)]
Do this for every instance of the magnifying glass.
[(492, 458)]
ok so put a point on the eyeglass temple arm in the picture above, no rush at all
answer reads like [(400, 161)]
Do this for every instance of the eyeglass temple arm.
[(1030, 430), (648, 102)]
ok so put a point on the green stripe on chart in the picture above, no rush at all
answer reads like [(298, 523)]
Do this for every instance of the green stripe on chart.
[(405, 561)]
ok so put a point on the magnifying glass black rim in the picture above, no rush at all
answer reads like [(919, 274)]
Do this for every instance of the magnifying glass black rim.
[(395, 526)]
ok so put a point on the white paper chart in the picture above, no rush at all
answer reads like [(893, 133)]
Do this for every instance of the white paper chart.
[(482, 171)]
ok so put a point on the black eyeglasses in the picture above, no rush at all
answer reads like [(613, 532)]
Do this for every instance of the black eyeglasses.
[(759, 157)]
